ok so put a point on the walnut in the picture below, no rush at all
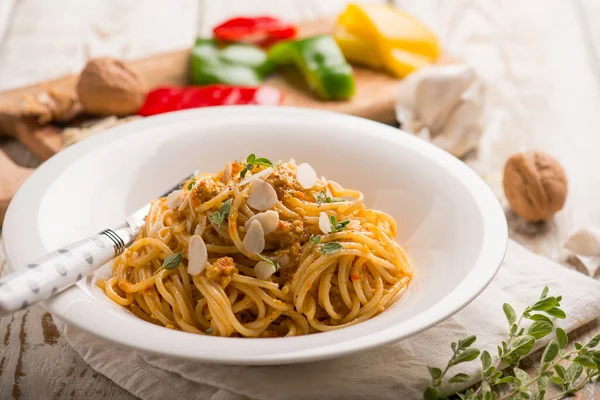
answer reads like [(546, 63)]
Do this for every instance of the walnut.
[(535, 185), (110, 87)]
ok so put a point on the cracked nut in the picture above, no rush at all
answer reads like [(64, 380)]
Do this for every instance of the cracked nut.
[(535, 185), (110, 87)]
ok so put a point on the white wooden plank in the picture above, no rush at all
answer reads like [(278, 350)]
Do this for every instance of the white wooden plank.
[(49, 39)]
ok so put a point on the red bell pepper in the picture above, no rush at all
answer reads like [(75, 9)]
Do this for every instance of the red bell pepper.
[(172, 98), (262, 31)]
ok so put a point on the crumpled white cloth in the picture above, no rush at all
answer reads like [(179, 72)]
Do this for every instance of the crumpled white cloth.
[(396, 371)]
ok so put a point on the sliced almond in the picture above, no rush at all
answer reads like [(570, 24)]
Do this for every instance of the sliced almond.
[(262, 195), (227, 173), (283, 259), (324, 223), (201, 226), (254, 241), (264, 270), (197, 255), (264, 174), (353, 224), (306, 176), (174, 199), (269, 221)]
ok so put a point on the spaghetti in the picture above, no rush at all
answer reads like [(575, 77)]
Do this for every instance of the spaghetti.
[(259, 250)]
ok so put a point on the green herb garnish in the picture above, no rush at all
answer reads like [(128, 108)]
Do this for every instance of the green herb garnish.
[(210, 330), (172, 261), (338, 226), (321, 198), (220, 216), (274, 263), (191, 184), (313, 240), (331, 247), (584, 367), (252, 161)]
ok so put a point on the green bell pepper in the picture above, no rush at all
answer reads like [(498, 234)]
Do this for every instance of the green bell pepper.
[(235, 64), (322, 64)]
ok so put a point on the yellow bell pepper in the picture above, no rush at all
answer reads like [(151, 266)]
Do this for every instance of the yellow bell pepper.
[(384, 37)]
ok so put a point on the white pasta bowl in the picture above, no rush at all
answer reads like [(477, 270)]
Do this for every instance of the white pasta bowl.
[(449, 222)]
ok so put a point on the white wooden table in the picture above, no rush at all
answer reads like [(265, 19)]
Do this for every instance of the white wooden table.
[(541, 56)]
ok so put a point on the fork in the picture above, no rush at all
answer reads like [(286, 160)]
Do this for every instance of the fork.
[(58, 270)]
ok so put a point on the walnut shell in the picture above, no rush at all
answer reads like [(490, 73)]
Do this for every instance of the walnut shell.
[(535, 185), (110, 87)]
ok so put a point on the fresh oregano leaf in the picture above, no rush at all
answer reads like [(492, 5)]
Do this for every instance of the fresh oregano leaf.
[(331, 247), (216, 218), (172, 261), (226, 208), (541, 394), (494, 378), (486, 391), (560, 371), (578, 346), (220, 216), (585, 361), (486, 360), (511, 315), (506, 379), (543, 383), (573, 373), (539, 329), (550, 352), (557, 380), (430, 394), (544, 292), (557, 312), (522, 376), (466, 342), (562, 338), (593, 342), (459, 378), (435, 373), (489, 371), (313, 240), (466, 355), (263, 162), (540, 317), (544, 304), (522, 345)]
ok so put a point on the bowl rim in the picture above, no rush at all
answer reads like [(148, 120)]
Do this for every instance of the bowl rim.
[(73, 305)]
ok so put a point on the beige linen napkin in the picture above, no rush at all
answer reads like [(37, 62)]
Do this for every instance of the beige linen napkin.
[(396, 371)]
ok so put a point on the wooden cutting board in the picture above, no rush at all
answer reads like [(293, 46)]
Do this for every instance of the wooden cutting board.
[(24, 112)]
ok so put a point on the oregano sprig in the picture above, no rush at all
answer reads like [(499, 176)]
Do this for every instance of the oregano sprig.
[(584, 367), (252, 161), (322, 197), (337, 226), (220, 216)]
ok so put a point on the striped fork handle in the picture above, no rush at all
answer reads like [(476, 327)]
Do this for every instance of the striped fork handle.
[(60, 269)]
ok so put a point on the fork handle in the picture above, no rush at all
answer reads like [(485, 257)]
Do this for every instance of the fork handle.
[(58, 270)]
